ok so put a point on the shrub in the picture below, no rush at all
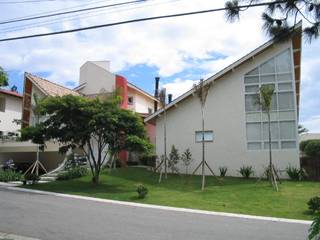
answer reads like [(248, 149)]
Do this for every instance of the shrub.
[(246, 171), (149, 160), (312, 148), (295, 173), (314, 204), (223, 171), (142, 191), (75, 172), (9, 175), (174, 158), (31, 177)]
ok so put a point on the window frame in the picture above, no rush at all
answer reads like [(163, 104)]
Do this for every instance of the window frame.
[(205, 131)]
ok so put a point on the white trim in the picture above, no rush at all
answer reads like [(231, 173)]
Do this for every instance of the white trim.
[(166, 208), (142, 92)]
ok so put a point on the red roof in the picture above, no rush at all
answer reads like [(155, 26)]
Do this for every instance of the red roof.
[(8, 92)]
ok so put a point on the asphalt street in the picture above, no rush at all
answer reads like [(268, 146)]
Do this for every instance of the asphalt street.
[(52, 217)]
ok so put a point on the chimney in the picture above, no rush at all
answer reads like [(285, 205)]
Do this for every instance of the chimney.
[(169, 98), (156, 93)]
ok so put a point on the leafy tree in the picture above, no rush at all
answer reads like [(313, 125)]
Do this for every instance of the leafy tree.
[(314, 230), (174, 158), (3, 78), (265, 101), (302, 129), (90, 125), (279, 16), (186, 158)]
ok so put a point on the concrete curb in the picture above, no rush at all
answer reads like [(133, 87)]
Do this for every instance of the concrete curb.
[(8, 236), (151, 206)]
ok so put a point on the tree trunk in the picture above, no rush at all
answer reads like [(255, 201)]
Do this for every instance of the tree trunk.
[(203, 151), (165, 144), (270, 151)]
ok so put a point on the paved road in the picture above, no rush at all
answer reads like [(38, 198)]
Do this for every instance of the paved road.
[(51, 217)]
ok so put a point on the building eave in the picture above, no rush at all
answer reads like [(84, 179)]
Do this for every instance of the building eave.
[(130, 85)]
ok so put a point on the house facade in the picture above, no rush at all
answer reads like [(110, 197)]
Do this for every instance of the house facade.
[(10, 110), (236, 132)]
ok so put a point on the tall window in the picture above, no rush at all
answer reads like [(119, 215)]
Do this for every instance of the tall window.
[(278, 73), (2, 104)]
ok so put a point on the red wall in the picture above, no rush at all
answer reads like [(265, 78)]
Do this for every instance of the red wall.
[(122, 86)]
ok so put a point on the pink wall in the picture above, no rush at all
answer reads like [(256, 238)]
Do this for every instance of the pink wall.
[(122, 85)]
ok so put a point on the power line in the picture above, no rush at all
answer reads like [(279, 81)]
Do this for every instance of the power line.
[(73, 11), (74, 17), (132, 21)]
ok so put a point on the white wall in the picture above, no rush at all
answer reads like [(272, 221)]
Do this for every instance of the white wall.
[(141, 102), (13, 110), (225, 115), (97, 78)]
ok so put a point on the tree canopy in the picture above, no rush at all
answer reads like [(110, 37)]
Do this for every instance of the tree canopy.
[(3, 78), (92, 125), (280, 16)]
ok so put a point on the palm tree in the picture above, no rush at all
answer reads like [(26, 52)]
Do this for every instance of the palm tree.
[(265, 101)]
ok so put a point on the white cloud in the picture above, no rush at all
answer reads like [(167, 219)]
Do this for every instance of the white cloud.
[(313, 124), (179, 87)]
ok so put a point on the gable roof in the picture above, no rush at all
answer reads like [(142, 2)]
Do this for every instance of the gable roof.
[(130, 85), (11, 93), (50, 88), (296, 43)]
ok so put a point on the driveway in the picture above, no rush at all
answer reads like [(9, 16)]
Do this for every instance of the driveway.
[(53, 217)]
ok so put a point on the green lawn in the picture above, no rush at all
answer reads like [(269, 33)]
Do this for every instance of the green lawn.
[(234, 195)]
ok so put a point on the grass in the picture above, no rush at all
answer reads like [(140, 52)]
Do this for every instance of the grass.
[(234, 195)]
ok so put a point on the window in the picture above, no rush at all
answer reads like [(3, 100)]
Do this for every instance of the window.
[(276, 72), (2, 104), (130, 100), (208, 136)]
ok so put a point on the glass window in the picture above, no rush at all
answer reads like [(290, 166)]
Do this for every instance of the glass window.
[(2, 104), (287, 130), (130, 100), (288, 144), (252, 102), (253, 131), (268, 78), (274, 130), (252, 88), (285, 86), (253, 72), (251, 79), (274, 145), (286, 100), (267, 67), (253, 117), (285, 77), (254, 145), (283, 62), (208, 136)]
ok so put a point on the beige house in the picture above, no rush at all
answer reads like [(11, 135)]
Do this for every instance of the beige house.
[(235, 127)]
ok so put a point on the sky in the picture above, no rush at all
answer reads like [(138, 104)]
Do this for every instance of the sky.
[(179, 50)]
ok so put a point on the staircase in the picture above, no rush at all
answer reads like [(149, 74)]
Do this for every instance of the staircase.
[(52, 175)]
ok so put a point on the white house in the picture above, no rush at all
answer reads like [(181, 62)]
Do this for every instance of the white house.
[(10, 110), (235, 127)]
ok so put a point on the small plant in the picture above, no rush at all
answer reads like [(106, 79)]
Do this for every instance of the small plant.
[(174, 158), (314, 230), (9, 175), (314, 204), (186, 158), (246, 171), (296, 174), (31, 177), (142, 191), (223, 171), (75, 172)]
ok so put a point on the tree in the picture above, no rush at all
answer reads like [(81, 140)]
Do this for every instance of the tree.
[(278, 15), (314, 230), (90, 125), (174, 158), (3, 78), (186, 158), (302, 129), (201, 91), (265, 101)]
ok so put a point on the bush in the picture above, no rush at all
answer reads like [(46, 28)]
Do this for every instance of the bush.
[(314, 204), (9, 175), (142, 191), (31, 177), (75, 172), (312, 149), (223, 171), (149, 160), (246, 171), (295, 173)]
